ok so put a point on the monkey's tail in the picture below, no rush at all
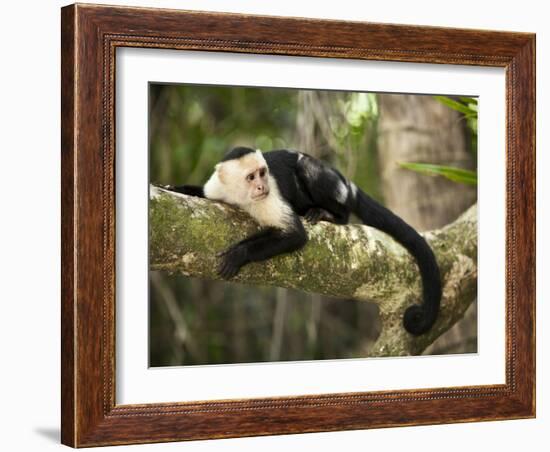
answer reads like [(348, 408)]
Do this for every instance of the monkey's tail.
[(418, 319)]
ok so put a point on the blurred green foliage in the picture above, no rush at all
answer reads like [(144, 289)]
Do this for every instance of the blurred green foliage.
[(235, 323), (191, 127)]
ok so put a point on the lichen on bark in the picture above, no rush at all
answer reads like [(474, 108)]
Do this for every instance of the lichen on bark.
[(349, 262)]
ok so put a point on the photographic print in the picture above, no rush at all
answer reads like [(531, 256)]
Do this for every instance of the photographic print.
[(296, 224), (254, 208)]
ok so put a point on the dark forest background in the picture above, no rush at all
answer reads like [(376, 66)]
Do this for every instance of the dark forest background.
[(387, 144)]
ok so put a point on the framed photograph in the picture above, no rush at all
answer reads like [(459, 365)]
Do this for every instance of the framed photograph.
[(281, 225)]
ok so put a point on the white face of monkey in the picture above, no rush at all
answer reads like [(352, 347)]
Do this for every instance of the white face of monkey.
[(244, 180)]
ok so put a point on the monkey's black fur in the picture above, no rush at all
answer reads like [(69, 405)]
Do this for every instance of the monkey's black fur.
[(236, 153), (318, 192)]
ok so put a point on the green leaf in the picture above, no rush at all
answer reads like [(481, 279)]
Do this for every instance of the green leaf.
[(455, 174), (469, 100), (455, 105)]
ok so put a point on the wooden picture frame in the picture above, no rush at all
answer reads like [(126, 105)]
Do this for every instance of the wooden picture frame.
[(90, 36)]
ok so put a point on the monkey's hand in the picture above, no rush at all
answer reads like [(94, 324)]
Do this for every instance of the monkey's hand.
[(232, 259), (191, 190)]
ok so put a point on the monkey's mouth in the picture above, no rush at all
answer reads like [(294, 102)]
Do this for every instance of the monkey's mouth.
[(261, 196)]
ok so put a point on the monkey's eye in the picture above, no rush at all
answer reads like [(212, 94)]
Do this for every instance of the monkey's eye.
[(250, 177), (262, 172)]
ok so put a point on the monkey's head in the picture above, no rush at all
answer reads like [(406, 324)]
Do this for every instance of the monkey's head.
[(243, 177)]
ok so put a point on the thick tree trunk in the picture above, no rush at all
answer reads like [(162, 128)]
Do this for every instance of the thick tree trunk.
[(421, 129), (352, 261)]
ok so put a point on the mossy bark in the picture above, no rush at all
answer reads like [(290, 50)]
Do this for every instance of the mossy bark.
[(349, 262)]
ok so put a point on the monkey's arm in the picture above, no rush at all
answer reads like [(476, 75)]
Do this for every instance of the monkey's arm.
[(261, 246), (192, 190)]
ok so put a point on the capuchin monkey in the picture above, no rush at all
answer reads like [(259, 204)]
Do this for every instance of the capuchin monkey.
[(278, 187)]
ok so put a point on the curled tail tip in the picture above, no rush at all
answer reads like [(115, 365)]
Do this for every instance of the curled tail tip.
[(417, 321)]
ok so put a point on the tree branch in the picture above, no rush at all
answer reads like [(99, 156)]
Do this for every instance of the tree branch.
[(350, 262)]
